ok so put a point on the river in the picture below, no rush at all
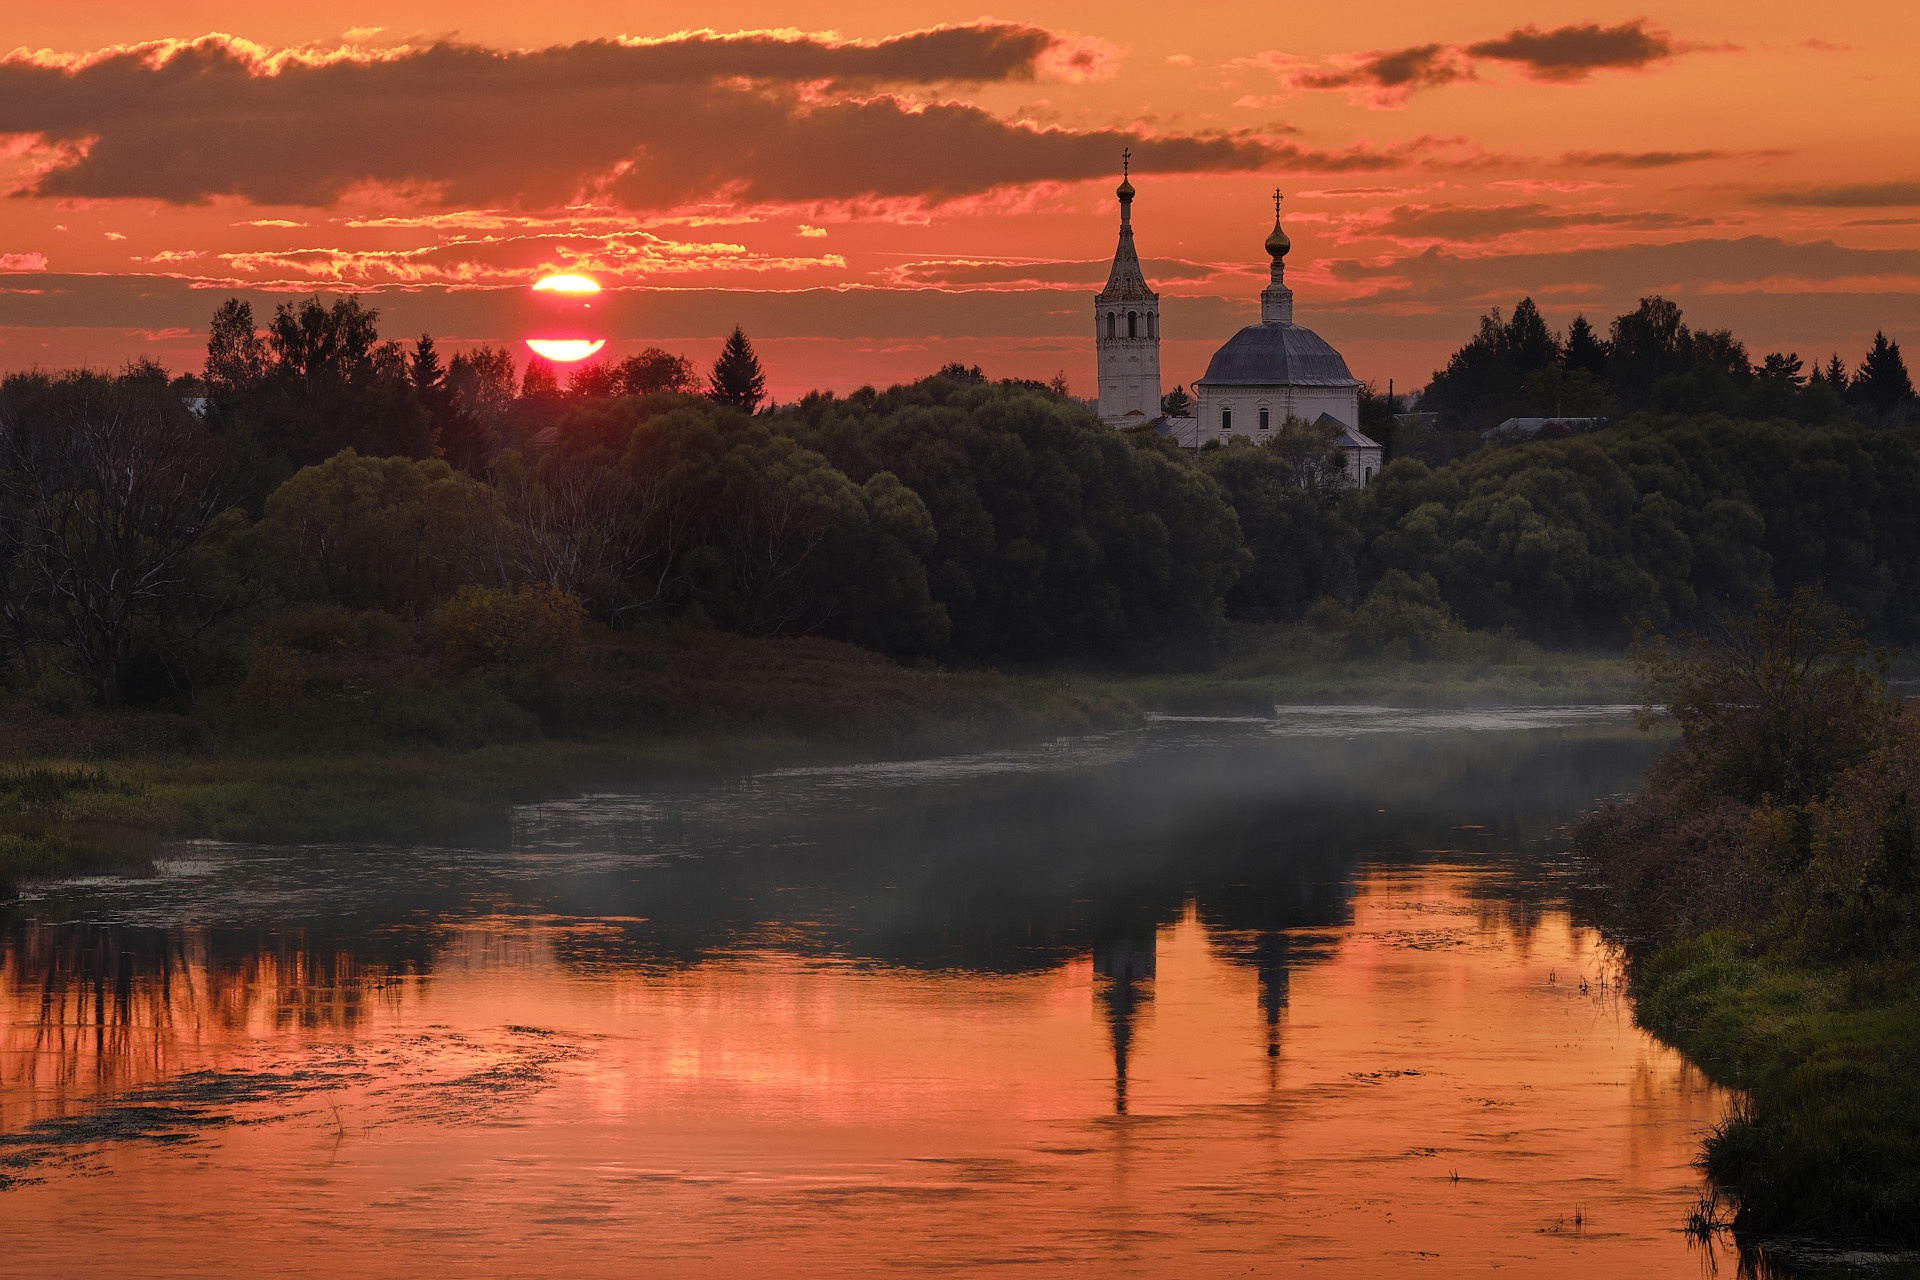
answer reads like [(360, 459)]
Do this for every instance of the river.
[(1296, 996)]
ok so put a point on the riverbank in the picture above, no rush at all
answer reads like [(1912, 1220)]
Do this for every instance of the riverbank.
[(1764, 885), (1263, 666), (307, 752), (1827, 1140)]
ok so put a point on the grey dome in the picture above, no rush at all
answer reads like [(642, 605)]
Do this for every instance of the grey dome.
[(1278, 355)]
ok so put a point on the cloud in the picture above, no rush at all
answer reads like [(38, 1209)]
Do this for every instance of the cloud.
[(1572, 53), (1477, 223), (23, 262), (1000, 273), (1381, 78), (750, 118), (1865, 195), (1384, 78), (1639, 159), (1746, 264)]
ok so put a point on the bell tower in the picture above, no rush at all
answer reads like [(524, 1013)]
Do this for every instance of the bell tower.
[(1126, 327)]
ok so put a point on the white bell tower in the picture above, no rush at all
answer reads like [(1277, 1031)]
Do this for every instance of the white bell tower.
[(1126, 327)]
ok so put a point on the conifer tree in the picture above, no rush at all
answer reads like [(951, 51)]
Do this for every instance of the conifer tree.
[(1883, 384), (1837, 373), (736, 378), (1585, 349)]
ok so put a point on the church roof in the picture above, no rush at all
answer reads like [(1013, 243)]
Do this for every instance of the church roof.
[(1350, 437), (1278, 355), (1126, 282)]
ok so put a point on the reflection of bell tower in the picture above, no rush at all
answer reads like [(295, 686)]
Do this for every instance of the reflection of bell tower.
[(1270, 967), (1127, 964), (1126, 328)]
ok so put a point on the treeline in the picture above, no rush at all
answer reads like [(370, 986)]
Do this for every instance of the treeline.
[(1649, 361), (149, 525)]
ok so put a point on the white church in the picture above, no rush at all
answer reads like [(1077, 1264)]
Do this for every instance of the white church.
[(1265, 374)]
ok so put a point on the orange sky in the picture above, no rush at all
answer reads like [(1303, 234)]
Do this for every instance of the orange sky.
[(873, 190)]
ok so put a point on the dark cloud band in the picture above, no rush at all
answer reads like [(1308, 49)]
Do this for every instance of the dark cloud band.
[(649, 125)]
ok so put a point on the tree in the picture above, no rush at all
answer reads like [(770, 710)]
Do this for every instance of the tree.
[(376, 533), (1177, 403), (955, 371), (594, 378), (656, 370), (236, 356), (110, 496), (1486, 380), (1883, 384), (1585, 351), (737, 379), (1773, 704), (1782, 370), (1649, 343), (479, 394), (1837, 374), (540, 381)]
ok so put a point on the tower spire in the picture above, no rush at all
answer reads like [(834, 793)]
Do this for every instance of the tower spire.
[(1125, 190)]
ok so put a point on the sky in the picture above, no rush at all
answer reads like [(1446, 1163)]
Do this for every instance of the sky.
[(871, 190)]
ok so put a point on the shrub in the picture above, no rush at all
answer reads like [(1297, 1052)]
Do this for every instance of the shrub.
[(484, 628)]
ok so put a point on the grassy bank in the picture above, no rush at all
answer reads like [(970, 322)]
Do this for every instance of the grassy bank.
[(311, 746), (1764, 882), (1827, 1139), (1269, 665)]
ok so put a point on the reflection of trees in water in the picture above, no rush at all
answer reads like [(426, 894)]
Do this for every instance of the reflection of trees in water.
[(90, 1008), (1001, 873)]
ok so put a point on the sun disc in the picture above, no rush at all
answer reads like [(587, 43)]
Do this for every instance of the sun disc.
[(567, 282), (565, 350)]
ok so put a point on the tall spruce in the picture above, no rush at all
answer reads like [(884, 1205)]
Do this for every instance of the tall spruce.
[(737, 379), (1837, 374), (1883, 383), (1585, 350)]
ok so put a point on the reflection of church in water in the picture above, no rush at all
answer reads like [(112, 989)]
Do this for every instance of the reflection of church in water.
[(1124, 966), (1265, 374)]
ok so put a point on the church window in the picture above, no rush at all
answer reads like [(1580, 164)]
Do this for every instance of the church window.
[(1110, 324), (1153, 324), (1263, 419), (1226, 419), (1369, 479), (1133, 324)]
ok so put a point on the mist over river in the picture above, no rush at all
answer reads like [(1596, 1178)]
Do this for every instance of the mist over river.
[(1286, 996)]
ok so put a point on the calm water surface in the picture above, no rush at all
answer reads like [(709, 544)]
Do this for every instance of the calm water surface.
[(1285, 997)]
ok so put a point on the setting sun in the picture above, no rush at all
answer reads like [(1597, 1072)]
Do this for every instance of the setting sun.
[(567, 283), (565, 350)]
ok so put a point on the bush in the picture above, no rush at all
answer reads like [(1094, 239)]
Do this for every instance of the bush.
[(1402, 616), (486, 629)]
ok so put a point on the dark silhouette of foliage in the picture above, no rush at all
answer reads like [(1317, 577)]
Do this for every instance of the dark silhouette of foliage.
[(1586, 351), (111, 495), (540, 381), (1772, 703), (1177, 403), (736, 379), (1883, 384), (656, 370)]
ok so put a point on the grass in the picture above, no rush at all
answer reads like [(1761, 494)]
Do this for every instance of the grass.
[(1270, 665), (1827, 1139)]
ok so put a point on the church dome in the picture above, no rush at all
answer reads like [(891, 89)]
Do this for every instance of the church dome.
[(1278, 355)]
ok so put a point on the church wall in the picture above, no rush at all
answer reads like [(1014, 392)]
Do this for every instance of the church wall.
[(1306, 403)]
